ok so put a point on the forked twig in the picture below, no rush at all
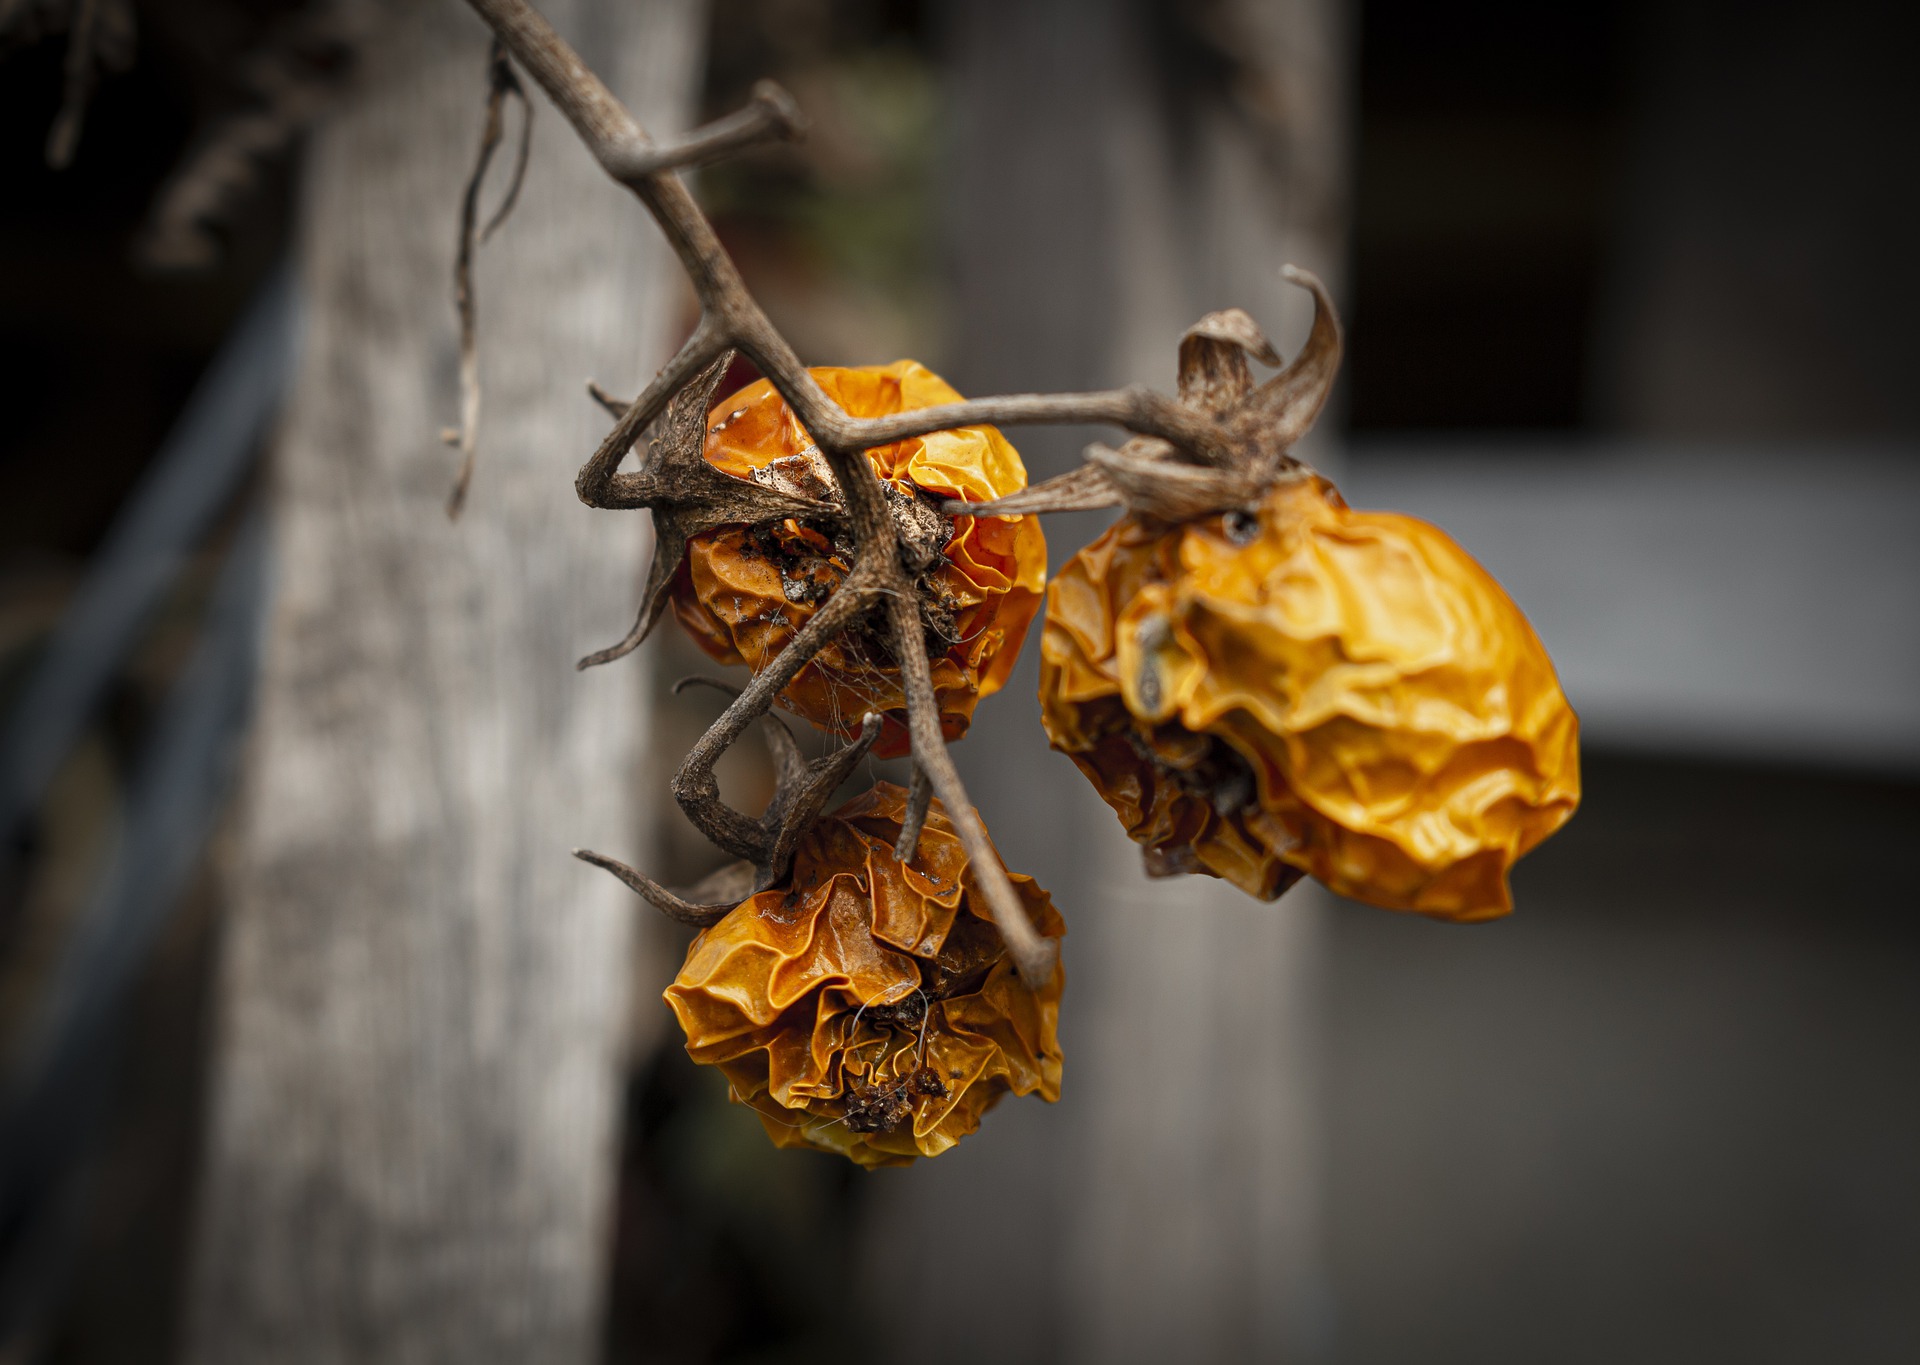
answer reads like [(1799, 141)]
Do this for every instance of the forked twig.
[(502, 84), (1201, 431)]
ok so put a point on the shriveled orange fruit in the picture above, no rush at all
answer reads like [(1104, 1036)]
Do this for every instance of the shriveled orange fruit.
[(869, 1007), (1311, 690), (745, 591)]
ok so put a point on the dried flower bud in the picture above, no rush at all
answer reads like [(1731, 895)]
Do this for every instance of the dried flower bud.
[(866, 1007), (1309, 689), (745, 591)]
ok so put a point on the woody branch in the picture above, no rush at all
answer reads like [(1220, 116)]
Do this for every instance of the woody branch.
[(730, 317)]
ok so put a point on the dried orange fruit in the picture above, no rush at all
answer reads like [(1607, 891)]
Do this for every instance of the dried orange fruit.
[(1311, 689), (868, 1007), (745, 591)]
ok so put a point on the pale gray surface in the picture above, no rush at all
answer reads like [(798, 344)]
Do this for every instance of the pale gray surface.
[(1664, 1113), (422, 995), (1718, 601)]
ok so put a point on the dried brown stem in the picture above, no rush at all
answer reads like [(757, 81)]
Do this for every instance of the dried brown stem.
[(502, 84), (771, 116), (1194, 435), (919, 797), (694, 786)]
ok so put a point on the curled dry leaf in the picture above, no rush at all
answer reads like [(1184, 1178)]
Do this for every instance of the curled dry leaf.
[(746, 589), (1308, 689), (869, 1007)]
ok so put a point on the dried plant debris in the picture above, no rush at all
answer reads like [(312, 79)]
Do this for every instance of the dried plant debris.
[(865, 1005), (1262, 682), (1306, 689)]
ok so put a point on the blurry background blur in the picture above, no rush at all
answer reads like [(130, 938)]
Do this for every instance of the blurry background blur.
[(1629, 303)]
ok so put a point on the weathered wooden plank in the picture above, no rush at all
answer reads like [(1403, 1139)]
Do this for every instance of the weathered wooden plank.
[(422, 995)]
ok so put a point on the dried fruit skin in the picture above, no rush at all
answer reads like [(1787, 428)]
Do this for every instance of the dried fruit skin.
[(746, 591), (1311, 690), (867, 1009)]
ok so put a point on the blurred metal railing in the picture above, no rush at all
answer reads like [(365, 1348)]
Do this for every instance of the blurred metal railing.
[(61, 1080)]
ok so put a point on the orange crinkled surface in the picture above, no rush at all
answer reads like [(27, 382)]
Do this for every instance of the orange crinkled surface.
[(867, 1008), (1311, 690), (744, 592)]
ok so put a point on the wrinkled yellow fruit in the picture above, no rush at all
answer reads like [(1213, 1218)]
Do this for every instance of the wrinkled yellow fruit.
[(745, 592), (1311, 690), (866, 1007)]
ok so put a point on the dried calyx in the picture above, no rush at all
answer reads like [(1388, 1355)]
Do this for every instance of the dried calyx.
[(765, 855), (688, 496), (1171, 482)]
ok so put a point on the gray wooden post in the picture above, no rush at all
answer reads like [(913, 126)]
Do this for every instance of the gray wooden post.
[(422, 996)]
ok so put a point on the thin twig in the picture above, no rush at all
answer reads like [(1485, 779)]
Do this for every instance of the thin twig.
[(771, 116), (501, 84)]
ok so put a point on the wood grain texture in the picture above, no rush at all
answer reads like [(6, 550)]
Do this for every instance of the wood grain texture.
[(423, 997)]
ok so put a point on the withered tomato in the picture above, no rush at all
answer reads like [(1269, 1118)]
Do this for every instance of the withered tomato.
[(868, 1007), (745, 591), (1311, 690)]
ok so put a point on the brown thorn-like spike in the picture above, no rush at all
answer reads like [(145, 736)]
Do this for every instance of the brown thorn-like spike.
[(1284, 409), (673, 904), (1169, 491), (771, 116), (1213, 359), (597, 479), (669, 545), (919, 797), (616, 407), (687, 496), (1082, 489)]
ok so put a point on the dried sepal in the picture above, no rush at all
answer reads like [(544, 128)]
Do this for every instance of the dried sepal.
[(1082, 489), (1156, 477), (764, 850), (688, 497), (868, 1006), (1213, 359), (1155, 485), (1270, 421)]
